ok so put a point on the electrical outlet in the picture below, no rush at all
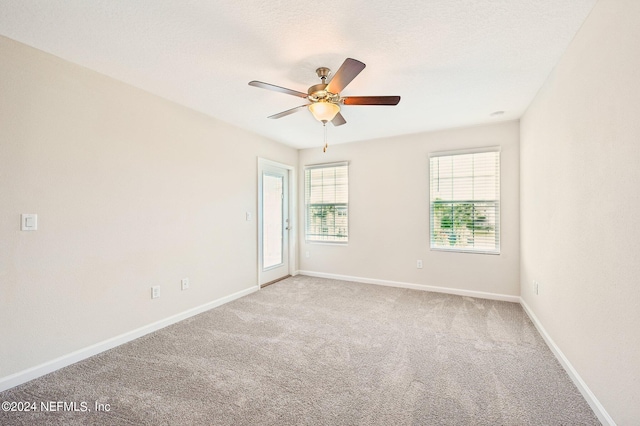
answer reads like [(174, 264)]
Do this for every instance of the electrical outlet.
[(306, 254), (184, 283), (155, 291), (419, 264), (535, 287)]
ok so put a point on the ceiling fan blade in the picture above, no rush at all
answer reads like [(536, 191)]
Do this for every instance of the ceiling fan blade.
[(371, 100), (338, 120), (288, 112), (268, 86), (349, 69)]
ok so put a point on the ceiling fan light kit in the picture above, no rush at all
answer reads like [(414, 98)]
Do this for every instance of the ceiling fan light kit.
[(324, 111)]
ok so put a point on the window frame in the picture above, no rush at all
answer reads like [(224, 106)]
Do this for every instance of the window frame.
[(342, 206), (497, 201)]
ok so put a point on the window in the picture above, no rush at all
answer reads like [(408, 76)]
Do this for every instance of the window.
[(326, 193), (465, 200)]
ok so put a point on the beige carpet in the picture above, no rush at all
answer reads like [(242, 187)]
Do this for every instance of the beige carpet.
[(314, 351)]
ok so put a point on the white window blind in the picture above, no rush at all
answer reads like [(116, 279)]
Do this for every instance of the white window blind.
[(465, 200), (327, 202)]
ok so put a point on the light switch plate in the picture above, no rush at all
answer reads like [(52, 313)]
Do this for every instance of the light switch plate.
[(28, 222)]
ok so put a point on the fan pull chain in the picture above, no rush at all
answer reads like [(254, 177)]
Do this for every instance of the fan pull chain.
[(326, 145)]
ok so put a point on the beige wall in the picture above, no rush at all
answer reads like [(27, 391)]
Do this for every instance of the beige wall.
[(580, 199), (389, 213), (130, 190), (134, 191)]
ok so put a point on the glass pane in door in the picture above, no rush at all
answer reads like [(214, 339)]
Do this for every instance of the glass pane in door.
[(272, 199)]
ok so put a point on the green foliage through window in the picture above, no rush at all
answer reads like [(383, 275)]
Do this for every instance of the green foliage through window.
[(465, 201), (326, 202)]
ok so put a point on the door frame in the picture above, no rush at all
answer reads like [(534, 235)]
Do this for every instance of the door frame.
[(293, 215)]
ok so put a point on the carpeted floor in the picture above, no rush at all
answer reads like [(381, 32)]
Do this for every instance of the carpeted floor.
[(313, 351)]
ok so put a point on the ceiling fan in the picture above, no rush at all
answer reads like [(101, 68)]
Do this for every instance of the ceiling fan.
[(324, 98)]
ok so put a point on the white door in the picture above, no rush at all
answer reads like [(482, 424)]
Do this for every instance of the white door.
[(273, 222)]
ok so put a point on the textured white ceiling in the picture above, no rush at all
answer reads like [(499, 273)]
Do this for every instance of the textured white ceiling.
[(454, 62)]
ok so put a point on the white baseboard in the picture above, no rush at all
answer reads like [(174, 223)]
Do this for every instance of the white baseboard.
[(591, 399), (423, 287), (24, 376)]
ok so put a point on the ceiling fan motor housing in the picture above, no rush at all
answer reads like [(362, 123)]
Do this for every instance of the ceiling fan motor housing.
[(318, 92)]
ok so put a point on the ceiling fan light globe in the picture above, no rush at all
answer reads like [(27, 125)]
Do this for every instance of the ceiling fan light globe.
[(324, 111)]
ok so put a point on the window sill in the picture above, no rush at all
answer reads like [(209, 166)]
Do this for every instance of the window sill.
[(464, 251), (327, 243)]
